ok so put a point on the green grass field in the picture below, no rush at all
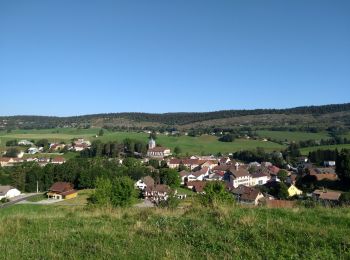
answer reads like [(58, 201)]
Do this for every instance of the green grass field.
[(306, 150), (292, 136), (193, 145), (68, 232)]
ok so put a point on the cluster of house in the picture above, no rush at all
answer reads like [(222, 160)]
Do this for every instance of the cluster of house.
[(151, 191), (77, 145), (240, 179), (10, 161)]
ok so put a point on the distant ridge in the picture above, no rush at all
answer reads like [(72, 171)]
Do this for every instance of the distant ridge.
[(175, 118)]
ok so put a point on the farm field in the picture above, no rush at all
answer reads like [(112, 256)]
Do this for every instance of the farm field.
[(306, 150), (68, 232), (292, 136), (192, 145)]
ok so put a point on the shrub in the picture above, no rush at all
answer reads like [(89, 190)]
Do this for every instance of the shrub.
[(118, 192), (215, 193), (227, 138)]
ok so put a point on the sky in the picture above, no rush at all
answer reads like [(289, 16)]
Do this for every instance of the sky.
[(75, 57)]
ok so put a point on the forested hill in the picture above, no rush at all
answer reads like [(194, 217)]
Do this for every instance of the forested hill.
[(172, 119)]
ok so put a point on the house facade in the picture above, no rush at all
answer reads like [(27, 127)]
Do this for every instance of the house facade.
[(157, 193), (158, 152)]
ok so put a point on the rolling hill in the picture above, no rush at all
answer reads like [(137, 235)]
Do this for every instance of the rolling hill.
[(326, 115)]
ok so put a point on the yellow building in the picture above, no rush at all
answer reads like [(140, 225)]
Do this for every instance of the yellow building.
[(62, 190), (293, 191)]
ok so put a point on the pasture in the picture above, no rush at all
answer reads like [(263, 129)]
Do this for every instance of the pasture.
[(306, 150), (292, 136), (204, 144)]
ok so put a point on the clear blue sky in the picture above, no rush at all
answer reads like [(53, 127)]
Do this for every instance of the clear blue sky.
[(71, 57)]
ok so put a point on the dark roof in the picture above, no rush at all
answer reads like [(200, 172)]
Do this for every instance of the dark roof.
[(148, 180), (159, 188), (246, 193), (68, 192), (240, 172), (184, 173), (274, 169), (202, 171), (198, 186), (58, 159), (222, 167), (4, 189), (61, 187), (327, 195), (259, 174)]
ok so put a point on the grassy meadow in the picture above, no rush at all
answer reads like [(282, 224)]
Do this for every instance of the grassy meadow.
[(68, 232), (306, 150), (292, 136), (192, 145)]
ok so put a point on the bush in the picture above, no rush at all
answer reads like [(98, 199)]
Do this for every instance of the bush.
[(345, 199), (118, 192), (215, 193), (4, 200), (172, 202), (227, 138), (12, 152), (12, 143)]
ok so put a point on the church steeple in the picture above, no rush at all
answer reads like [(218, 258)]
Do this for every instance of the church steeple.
[(151, 143)]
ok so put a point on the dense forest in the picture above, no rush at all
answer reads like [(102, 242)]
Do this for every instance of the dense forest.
[(183, 118)]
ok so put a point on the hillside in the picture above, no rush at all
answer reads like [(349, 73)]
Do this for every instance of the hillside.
[(66, 232), (316, 115)]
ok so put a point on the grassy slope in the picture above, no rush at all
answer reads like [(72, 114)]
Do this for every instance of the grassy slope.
[(292, 136), (46, 232), (192, 145), (306, 150)]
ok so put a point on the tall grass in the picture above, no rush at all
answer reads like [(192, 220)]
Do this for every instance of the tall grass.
[(58, 232)]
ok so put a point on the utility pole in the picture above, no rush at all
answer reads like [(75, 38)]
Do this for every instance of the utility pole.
[(37, 186)]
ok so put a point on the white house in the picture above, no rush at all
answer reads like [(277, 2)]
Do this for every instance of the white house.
[(260, 178), (329, 163), (33, 150), (186, 177), (8, 192), (238, 176), (145, 182), (201, 174), (25, 142)]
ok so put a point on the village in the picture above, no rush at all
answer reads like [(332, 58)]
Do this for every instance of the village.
[(253, 183)]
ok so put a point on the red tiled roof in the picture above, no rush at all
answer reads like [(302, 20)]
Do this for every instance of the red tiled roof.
[(274, 169), (198, 186), (65, 193), (61, 187), (58, 159)]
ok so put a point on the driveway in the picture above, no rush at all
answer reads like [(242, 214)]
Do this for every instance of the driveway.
[(18, 199), (41, 202)]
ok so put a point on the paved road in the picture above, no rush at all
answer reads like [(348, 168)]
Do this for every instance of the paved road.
[(41, 202), (17, 199)]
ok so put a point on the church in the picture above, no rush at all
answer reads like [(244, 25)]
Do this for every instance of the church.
[(157, 151)]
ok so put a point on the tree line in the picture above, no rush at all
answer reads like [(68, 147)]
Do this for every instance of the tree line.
[(28, 122), (84, 172)]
